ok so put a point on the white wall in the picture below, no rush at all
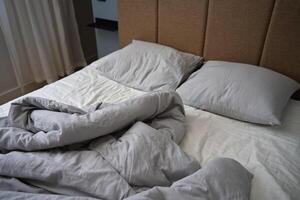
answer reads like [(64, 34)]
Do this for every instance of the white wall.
[(105, 9), (107, 41)]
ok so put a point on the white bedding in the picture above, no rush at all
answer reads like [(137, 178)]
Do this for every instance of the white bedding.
[(272, 154)]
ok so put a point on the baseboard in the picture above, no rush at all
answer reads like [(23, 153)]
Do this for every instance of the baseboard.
[(10, 95), (29, 87), (91, 58), (17, 92)]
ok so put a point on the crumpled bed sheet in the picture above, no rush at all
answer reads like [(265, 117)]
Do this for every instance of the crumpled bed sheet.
[(271, 154), (119, 151)]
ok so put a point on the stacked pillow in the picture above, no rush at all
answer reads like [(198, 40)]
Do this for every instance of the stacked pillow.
[(240, 91)]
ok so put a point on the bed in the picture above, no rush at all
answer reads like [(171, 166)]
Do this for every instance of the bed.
[(271, 154)]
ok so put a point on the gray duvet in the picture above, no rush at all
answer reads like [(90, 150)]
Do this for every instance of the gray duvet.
[(128, 150)]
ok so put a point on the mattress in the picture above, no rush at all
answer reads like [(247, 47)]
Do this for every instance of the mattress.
[(270, 153)]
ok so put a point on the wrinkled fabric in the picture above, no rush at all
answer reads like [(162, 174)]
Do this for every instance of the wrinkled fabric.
[(37, 123), (56, 151)]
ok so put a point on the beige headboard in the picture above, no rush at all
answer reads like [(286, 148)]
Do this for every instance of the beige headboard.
[(260, 32)]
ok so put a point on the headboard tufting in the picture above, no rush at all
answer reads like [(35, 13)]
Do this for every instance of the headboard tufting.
[(260, 32)]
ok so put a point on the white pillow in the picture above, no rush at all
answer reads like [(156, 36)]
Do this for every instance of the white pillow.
[(244, 92), (148, 66)]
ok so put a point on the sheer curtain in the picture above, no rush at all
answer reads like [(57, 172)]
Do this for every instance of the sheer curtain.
[(42, 38)]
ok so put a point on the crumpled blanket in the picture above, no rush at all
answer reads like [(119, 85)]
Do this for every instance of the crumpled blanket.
[(128, 150)]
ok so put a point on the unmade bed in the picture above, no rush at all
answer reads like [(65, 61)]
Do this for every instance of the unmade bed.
[(234, 66), (270, 153)]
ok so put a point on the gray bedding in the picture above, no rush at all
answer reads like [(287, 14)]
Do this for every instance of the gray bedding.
[(128, 150)]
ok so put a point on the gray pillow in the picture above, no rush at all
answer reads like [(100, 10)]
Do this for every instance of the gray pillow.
[(244, 92), (148, 66)]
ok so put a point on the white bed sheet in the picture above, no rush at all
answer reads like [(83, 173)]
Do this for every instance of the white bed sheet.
[(272, 154)]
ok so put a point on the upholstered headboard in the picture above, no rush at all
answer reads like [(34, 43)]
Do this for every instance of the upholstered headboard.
[(260, 32)]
